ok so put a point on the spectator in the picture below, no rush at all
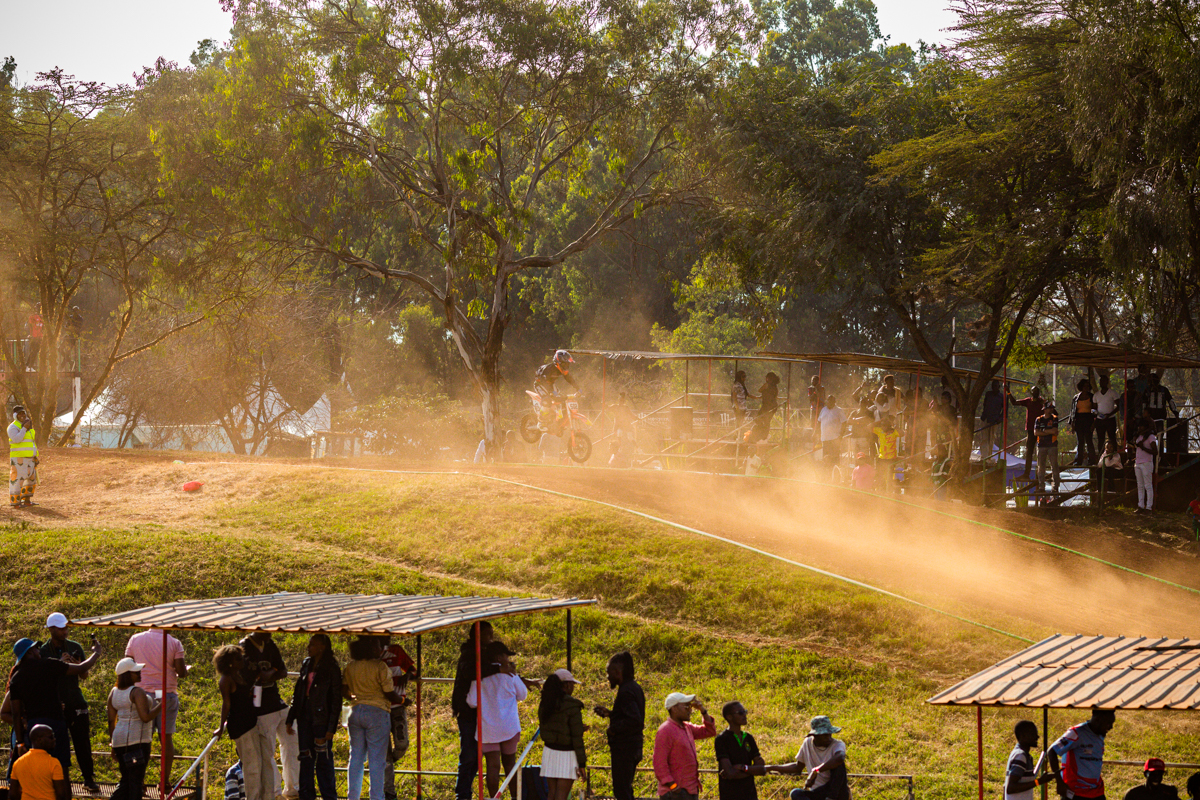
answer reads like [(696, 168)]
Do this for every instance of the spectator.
[(738, 759), (825, 759), (465, 715), (403, 669), (945, 417), (626, 723), (1081, 749), (75, 707), (38, 775), (1108, 408), (367, 684), (675, 764), (816, 399), (1045, 429), (1158, 403), (74, 329), (888, 439), (1154, 788), (1021, 780), (991, 419), (738, 396), (1083, 421), (147, 648), (939, 470), (513, 451), (833, 422), (239, 718), (235, 784), (33, 687), (316, 712), (22, 459), (624, 436), (1141, 384), (769, 392), (1033, 406), (863, 476), (560, 715), (894, 398), (861, 420), (1145, 451), (1194, 512), (265, 668), (130, 728), (1110, 464), (1193, 787), (500, 693)]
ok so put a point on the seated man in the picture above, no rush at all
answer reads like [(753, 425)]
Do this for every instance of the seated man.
[(825, 759), (1153, 788)]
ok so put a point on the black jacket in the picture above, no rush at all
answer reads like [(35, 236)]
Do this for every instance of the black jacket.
[(628, 719), (464, 673), (322, 706)]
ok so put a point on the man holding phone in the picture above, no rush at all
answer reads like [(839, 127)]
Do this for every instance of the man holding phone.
[(75, 707), (675, 763)]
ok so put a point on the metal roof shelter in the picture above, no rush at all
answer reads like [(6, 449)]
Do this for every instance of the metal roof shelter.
[(354, 614), (1085, 672), (649, 355), (1074, 352), (868, 361)]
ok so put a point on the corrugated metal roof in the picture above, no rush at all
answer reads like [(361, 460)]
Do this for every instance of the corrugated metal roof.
[(1073, 352), (885, 363), (1063, 671), (649, 355), (301, 612)]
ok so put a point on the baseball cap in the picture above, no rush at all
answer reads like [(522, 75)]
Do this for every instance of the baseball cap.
[(678, 698), (56, 620), (1154, 765), (564, 676), (22, 647), (127, 664)]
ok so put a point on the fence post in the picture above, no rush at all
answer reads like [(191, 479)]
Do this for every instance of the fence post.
[(910, 787)]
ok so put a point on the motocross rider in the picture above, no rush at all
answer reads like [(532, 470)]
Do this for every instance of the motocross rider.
[(545, 381)]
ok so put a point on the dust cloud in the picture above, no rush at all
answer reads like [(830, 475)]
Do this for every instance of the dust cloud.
[(949, 563)]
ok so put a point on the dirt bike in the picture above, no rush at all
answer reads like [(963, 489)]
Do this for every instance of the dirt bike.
[(568, 424)]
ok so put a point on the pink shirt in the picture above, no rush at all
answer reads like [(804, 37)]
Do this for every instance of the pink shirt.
[(147, 648), (675, 754)]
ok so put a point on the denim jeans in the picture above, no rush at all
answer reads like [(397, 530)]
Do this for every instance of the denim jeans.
[(316, 765), (370, 737)]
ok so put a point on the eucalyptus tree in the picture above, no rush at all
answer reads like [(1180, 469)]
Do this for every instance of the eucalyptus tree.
[(457, 145)]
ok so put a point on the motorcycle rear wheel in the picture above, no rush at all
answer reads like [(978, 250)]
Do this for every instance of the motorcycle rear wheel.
[(579, 446), (529, 428)]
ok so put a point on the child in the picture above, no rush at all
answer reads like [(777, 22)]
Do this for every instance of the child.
[(863, 476), (889, 451)]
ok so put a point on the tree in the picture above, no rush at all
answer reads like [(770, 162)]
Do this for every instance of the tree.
[(462, 145)]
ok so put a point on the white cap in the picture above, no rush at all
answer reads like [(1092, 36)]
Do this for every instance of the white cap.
[(56, 620), (565, 676), (127, 664), (678, 698)]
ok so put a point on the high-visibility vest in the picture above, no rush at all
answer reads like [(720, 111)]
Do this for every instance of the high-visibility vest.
[(24, 447)]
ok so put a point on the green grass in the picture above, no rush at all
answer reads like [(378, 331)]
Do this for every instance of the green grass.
[(699, 616)]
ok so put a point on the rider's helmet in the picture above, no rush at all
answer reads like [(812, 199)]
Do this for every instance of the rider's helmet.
[(561, 359)]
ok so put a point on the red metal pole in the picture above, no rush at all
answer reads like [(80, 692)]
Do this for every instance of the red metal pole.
[(162, 725), (1004, 405), (979, 739), (479, 709), (420, 673)]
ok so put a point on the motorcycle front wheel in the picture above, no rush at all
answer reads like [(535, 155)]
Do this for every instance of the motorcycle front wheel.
[(579, 447), (529, 428)]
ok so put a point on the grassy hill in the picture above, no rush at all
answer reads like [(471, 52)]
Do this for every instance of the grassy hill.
[(699, 615)]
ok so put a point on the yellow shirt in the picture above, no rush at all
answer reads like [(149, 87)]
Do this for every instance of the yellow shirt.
[(37, 771), (888, 442), (369, 681)]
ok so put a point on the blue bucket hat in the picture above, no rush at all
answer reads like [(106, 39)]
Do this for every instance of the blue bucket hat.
[(22, 647)]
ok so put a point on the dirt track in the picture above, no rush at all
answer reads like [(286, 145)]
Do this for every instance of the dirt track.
[(968, 569), (955, 565)]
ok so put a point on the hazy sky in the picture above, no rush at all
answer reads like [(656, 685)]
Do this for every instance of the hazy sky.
[(110, 40)]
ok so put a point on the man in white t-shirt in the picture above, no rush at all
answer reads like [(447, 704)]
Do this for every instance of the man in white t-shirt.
[(832, 421), (1020, 780), (501, 716), (825, 760), (1107, 405)]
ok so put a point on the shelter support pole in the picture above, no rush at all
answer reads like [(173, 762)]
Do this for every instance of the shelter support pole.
[(708, 413), (820, 393), (568, 640), (912, 450), (787, 406), (479, 710), (420, 674), (162, 726), (687, 374), (1045, 743), (979, 741), (603, 379)]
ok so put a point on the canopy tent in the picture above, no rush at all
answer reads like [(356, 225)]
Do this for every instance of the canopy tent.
[(353, 614), (1113, 672), (1073, 352)]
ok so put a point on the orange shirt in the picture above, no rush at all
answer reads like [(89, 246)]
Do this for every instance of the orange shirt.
[(37, 771)]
